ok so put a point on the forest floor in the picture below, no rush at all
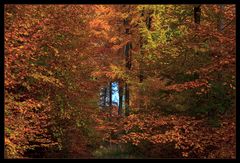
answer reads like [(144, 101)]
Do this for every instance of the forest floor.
[(78, 148), (108, 150)]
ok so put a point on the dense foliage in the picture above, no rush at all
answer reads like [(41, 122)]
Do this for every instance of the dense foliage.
[(175, 68)]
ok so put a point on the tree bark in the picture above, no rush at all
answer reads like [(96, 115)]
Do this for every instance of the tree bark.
[(110, 94), (141, 56), (197, 14), (120, 91), (140, 102), (104, 97), (128, 67), (110, 98), (128, 62), (220, 18), (127, 109), (148, 22)]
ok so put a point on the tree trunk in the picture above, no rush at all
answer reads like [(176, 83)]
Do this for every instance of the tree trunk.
[(141, 64), (220, 18), (128, 67), (104, 97), (127, 109), (141, 56), (110, 94), (120, 91), (197, 14), (110, 97), (140, 102), (128, 63)]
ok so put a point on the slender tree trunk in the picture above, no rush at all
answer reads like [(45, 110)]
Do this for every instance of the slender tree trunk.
[(104, 97), (197, 18), (220, 18), (197, 14), (120, 91), (128, 63), (141, 72), (148, 21), (141, 56), (110, 94), (110, 97), (127, 109), (140, 102), (128, 67)]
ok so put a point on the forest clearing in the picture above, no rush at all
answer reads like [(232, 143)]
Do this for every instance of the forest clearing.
[(120, 81)]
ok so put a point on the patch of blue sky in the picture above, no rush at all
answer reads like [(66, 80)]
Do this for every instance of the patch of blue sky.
[(115, 95)]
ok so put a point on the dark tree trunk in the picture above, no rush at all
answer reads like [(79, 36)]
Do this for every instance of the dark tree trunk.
[(104, 97), (128, 56), (110, 94), (148, 22), (221, 18), (110, 98), (128, 67), (120, 87), (128, 64), (140, 102), (197, 14), (127, 109), (141, 57), (141, 62)]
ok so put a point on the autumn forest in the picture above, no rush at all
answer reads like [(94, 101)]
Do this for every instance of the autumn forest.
[(120, 81)]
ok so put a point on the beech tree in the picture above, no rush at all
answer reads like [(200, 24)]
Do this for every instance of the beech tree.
[(174, 67)]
